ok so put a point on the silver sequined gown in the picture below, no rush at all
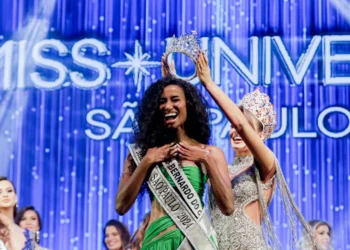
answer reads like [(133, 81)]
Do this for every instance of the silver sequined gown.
[(238, 231)]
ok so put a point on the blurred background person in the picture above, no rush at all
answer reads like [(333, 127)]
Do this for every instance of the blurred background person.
[(137, 239), (30, 219), (12, 236), (116, 235), (323, 236)]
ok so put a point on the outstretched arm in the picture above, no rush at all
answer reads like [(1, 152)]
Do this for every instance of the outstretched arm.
[(215, 163), (261, 152), (132, 178)]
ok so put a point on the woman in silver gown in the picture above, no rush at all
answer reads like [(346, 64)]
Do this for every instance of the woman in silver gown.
[(254, 173)]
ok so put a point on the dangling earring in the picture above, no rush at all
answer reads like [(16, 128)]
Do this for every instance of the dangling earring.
[(16, 205), (37, 236)]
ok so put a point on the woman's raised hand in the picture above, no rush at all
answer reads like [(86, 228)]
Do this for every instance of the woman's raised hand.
[(203, 70), (165, 71)]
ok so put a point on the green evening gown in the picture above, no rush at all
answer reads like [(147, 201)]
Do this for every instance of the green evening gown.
[(172, 239)]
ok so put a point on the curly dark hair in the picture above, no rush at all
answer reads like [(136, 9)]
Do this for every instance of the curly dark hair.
[(149, 129)]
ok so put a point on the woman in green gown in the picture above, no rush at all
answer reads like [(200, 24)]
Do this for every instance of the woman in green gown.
[(173, 126)]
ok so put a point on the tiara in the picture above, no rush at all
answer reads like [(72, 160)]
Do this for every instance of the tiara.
[(260, 106), (188, 45)]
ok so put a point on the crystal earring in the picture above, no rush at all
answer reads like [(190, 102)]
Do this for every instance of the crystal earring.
[(37, 236)]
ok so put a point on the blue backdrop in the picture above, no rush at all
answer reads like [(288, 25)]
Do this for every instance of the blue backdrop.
[(73, 71)]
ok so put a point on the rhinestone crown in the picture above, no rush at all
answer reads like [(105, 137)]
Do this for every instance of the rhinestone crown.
[(188, 45), (260, 106)]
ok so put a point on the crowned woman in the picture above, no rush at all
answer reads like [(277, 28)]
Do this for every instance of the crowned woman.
[(172, 158)]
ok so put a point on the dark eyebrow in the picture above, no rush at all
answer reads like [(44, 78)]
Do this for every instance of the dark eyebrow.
[(173, 96)]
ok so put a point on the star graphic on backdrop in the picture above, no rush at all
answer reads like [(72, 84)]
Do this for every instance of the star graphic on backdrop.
[(138, 64)]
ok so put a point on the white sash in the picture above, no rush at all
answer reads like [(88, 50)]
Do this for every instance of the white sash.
[(186, 212)]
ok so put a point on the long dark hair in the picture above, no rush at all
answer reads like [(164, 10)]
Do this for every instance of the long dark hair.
[(122, 229), (21, 213), (3, 178), (149, 129)]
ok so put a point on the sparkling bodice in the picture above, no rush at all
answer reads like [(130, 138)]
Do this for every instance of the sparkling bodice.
[(238, 231)]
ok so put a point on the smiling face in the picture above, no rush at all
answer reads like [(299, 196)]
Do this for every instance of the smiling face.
[(112, 238), (238, 145), (322, 237), (173, 106), (30, 221), (8, 197)]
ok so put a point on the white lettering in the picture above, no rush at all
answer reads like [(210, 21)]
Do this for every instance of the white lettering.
[(90, 120), (49, 64), (102, 70)]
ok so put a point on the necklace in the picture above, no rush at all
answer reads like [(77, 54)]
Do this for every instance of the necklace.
[(241, 162)]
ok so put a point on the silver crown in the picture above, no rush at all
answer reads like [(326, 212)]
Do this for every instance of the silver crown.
[(188, 45)]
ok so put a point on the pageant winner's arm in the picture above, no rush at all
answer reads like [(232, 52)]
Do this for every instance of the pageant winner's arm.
[(261, 152), (132, 178), (216, 166)]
